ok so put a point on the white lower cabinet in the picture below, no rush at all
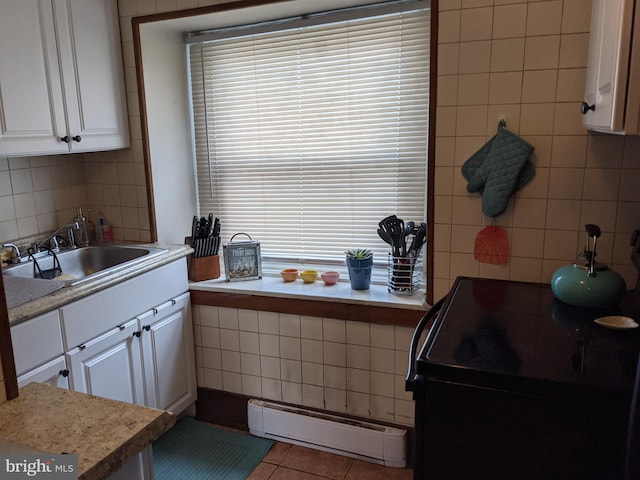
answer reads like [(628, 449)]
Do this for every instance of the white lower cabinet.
[(54, 373), (110, 365), (131, 342), (168, 358)]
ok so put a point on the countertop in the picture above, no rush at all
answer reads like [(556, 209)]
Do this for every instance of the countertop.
[(65, 295), (104, 433)]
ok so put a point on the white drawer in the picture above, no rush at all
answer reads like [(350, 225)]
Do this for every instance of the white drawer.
[(36, 341), (91, 316)]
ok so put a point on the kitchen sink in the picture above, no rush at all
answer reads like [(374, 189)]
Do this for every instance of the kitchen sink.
[(83, 264)]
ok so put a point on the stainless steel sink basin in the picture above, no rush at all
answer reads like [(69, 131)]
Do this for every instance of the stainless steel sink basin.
[(87, 263)]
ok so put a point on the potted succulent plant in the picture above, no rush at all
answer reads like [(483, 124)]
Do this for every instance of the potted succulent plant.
[(359, 264)]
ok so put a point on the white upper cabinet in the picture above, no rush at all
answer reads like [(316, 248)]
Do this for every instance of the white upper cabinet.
[(610, 106), (61, 77)]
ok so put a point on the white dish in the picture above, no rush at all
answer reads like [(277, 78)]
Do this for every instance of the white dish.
[(617, 322)]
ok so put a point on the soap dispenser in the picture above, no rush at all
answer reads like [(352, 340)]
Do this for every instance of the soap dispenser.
[(588, 284), (82, 236)]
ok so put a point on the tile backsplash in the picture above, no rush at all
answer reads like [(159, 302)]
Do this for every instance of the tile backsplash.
[(525, 61), (342, 366), (39, 194)]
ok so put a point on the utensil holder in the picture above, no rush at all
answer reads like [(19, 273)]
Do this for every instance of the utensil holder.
[(403, 274)]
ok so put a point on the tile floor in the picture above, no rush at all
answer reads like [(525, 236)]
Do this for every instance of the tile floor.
[(292, 462)]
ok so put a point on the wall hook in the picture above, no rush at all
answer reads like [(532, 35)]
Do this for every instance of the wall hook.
[(502, 123)]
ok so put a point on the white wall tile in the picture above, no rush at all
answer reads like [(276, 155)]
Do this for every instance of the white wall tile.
[(358, 404), (292, 393), (210, 336), (382, 360), (268, 323), (247, 320), (290, 348), (312, 396), (358, 380), (335, 400), (334, 354), (312, 374), (357, 333), (272, 389), (270, 367), (270, 345), (311, 350), (249, 342), (335, 377), (228, 317), (334, 330), (230, 361), (251, 386), (291, 370), (289, 325), (250, 364), (358, 356), (311, 327)]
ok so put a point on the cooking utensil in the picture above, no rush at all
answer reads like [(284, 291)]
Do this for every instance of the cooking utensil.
[(418, 241), (394, 227), (492, 246)]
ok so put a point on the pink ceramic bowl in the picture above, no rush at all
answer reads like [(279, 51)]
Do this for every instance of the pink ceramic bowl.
[(330, 278), (289, 274)]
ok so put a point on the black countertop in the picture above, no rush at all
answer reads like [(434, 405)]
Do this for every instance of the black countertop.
[(520, 334)]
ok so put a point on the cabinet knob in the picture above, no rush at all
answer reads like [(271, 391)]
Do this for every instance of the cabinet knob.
[(64, 373), (77, 138), (121, 327), (146, 328), (585, 107), (66, 139), (137, 334)]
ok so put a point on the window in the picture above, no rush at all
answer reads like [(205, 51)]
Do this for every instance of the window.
[(309, 131)]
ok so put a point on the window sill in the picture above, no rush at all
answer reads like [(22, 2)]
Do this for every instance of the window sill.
[(375, 305)]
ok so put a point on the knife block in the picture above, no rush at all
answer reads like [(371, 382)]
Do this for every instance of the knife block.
[(203, 268)]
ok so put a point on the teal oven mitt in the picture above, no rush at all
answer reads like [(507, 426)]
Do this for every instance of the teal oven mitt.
[(499, 169)]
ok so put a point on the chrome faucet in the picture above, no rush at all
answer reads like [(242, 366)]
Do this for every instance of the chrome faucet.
[(16, 257), (53, 239)]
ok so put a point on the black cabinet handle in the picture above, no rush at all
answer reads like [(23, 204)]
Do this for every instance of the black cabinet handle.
[(66, 139), (77, 138), (146, 328), (585, 107), (64, 373), (137, 334)]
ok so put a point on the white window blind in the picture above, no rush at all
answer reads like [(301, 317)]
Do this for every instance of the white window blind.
[(307, 136)]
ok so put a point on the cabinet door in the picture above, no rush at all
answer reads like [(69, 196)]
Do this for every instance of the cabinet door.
[(52, 373), (606, 83), (36, 341), (92, 74), (110, 365), (167, 346), (31, 101)]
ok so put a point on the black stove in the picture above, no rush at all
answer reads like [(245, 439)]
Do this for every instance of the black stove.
[(512, 383)]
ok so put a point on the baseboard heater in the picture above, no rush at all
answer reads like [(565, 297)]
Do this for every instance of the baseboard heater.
[(331, 433)]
